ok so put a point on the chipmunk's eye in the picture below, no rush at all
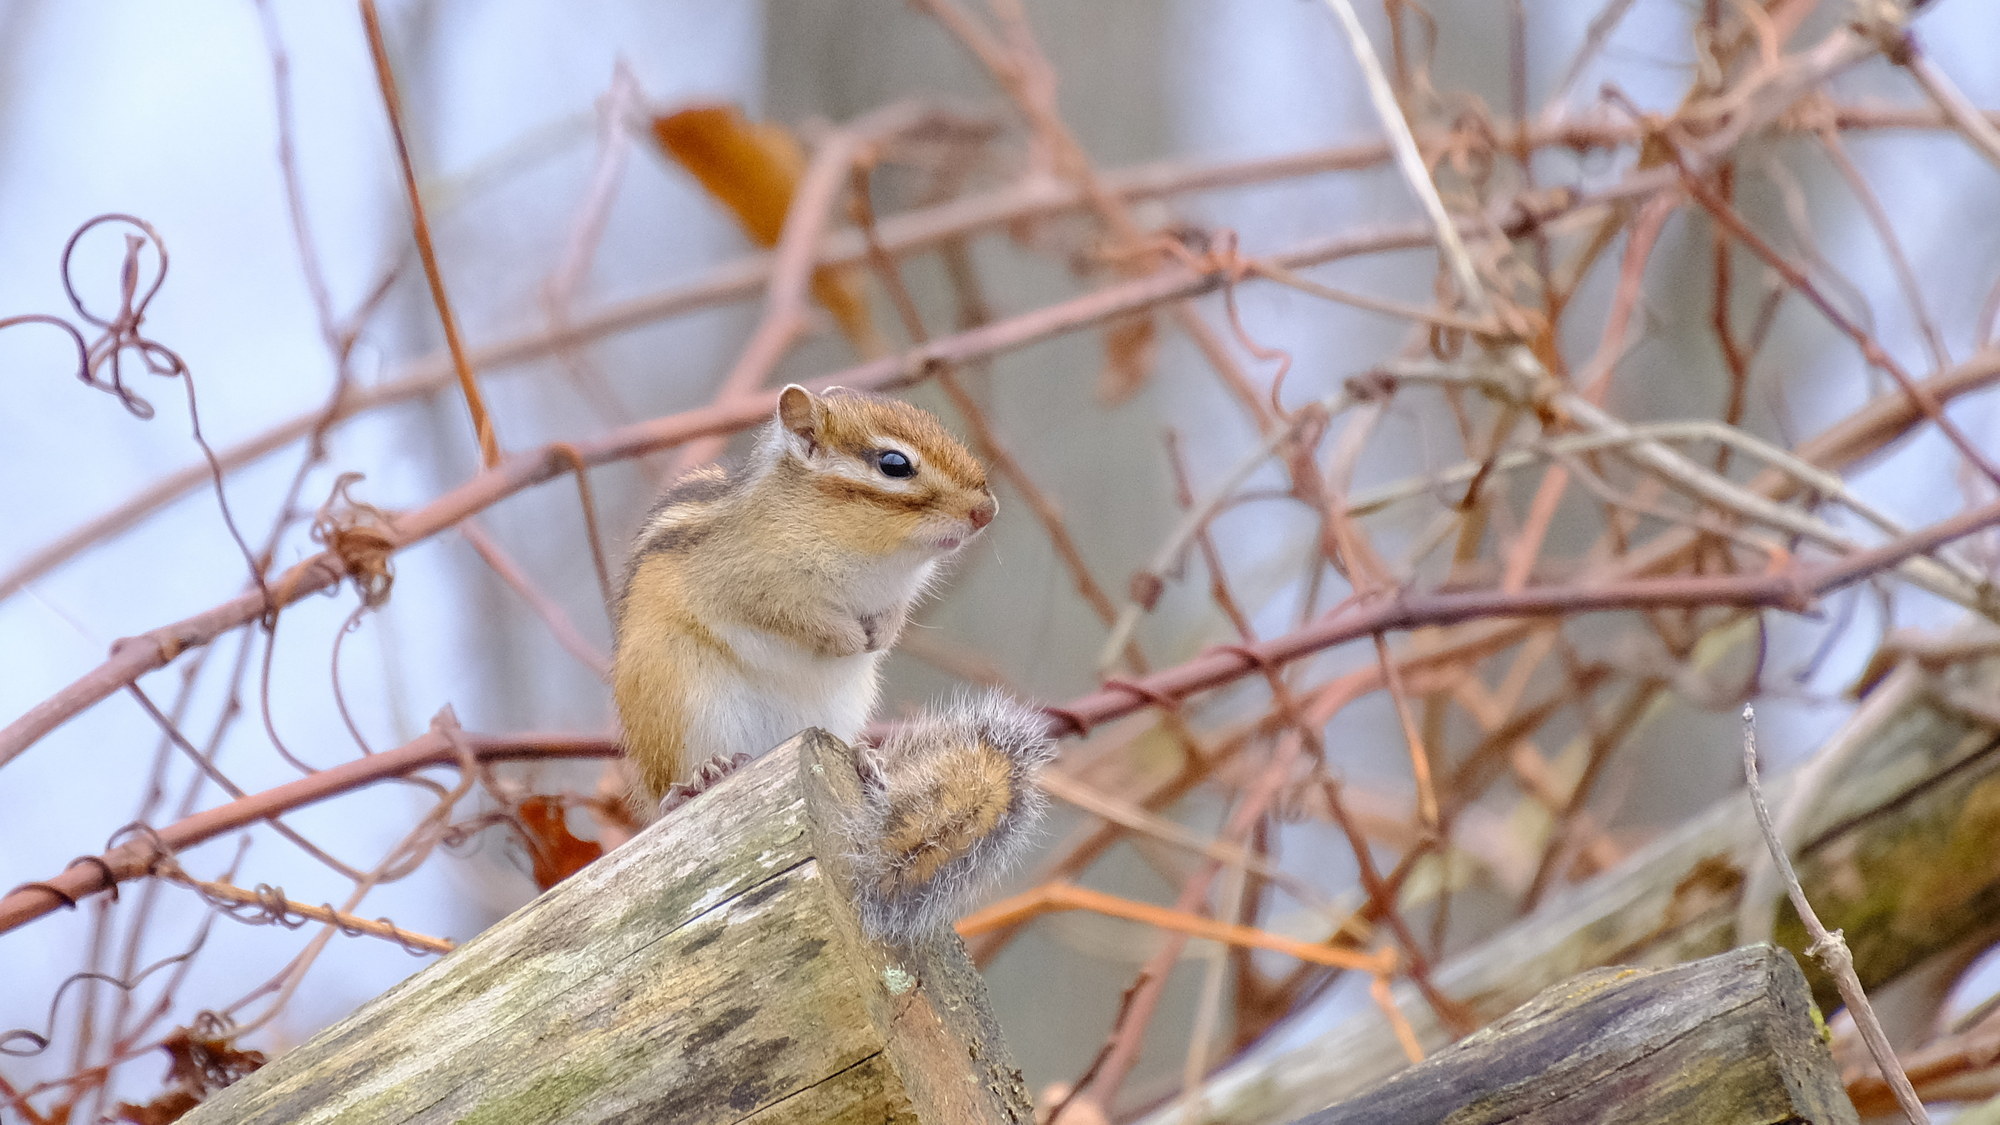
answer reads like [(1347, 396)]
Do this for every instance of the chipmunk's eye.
[(895, 464)]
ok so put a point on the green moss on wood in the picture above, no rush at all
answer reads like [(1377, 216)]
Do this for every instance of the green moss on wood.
[(1908, 888), (550, 1097)]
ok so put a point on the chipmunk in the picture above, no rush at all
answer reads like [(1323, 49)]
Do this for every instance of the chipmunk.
[(760, 602)]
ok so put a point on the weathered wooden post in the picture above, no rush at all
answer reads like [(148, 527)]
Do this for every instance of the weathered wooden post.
[(711, 970), (1730, 1040)]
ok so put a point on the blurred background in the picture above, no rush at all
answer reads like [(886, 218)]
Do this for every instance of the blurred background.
[(599, 281)]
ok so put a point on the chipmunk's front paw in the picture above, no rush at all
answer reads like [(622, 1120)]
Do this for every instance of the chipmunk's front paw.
[(704, 779)]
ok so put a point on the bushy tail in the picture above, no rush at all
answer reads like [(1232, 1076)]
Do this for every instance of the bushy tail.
[(949, 802)]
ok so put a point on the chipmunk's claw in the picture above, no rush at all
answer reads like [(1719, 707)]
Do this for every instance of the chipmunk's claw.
[(704, 779)]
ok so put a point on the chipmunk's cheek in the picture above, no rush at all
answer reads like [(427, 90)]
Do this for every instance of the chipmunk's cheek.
[(963, 529), (947, 540), (941, 534)]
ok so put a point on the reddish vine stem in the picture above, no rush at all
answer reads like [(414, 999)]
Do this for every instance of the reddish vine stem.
[(475, 404)]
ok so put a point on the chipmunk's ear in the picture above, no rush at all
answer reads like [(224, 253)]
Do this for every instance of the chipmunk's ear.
[(799, 416)]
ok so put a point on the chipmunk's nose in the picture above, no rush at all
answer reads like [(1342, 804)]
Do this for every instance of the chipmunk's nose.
[(982, 513)]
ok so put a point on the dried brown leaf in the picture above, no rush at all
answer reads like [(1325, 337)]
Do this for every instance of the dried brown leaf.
[(163, 1110), (197, 1066), (555, 851), (1130, 348)]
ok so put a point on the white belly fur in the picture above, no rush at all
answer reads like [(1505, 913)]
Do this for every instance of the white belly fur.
[(787, 690)]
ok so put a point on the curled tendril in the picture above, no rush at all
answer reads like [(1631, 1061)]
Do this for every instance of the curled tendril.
[(67, 329), (100, 362), (142, 830), (23, 1043), (359, 535), (119, 333)]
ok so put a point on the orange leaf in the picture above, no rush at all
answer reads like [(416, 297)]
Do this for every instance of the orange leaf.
[(1130, 347), (753, 168), (197, 1067), (555, 851), (163, 1110)]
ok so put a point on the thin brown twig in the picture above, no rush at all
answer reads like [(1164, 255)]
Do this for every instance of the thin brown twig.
[(1885, 231), (1306, 728), (1973, 123), (558, 291), (1409, 160), (221, 780), (269, 904), (586, 502), (551, 614), (1413, 739), (475, 403), (1871, 350), (397, 862), (1055, 897), (1828, 948)]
